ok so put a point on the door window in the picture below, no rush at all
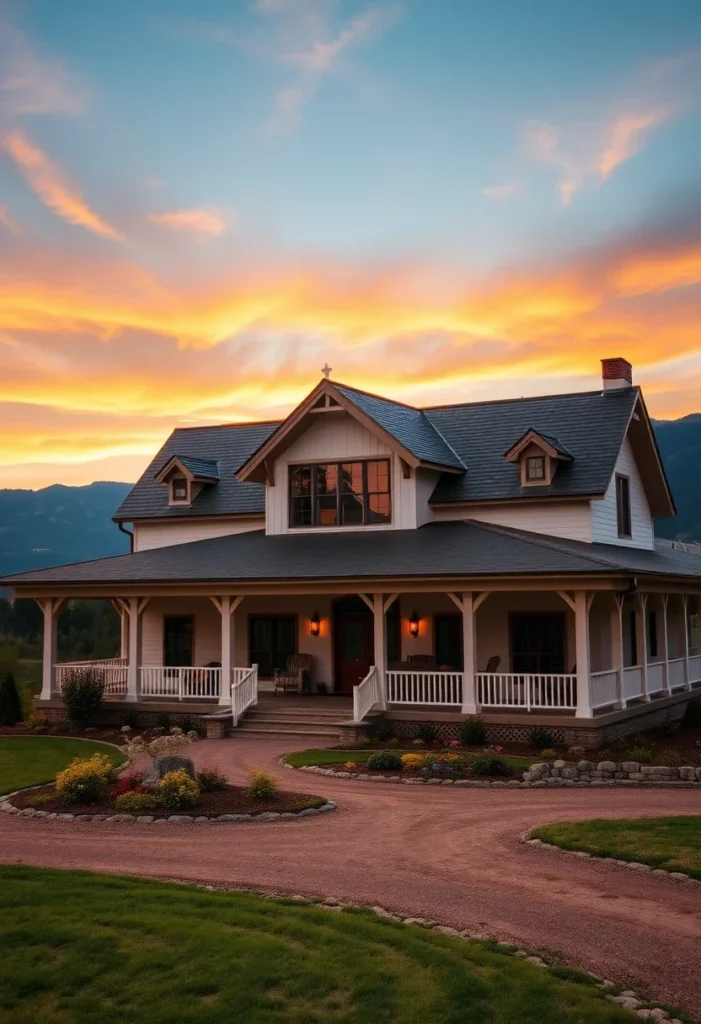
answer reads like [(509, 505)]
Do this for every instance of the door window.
[(448, 641), (177, 640), (271, 641)]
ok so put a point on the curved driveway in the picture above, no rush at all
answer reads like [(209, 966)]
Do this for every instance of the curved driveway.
[(450, 855)]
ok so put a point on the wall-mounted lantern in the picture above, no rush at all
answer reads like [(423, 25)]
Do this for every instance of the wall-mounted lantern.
[(414, 624), (315, 624)]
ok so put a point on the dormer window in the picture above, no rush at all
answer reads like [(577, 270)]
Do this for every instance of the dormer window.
[(179, 490), (535, 469)]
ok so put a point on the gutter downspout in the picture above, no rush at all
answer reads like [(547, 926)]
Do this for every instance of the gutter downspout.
[(129, 534)]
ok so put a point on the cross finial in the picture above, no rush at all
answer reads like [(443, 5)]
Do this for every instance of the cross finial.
[(326, 370)]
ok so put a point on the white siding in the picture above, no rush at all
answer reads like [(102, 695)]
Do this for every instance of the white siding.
[(336, 436), (557, 519), (182, 531), (426, 480), (207, 631), (603, 512)]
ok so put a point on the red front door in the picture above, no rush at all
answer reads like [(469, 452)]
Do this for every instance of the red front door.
[(353, 644)]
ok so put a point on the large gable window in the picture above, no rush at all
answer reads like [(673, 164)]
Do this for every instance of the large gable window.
[(340, 494)]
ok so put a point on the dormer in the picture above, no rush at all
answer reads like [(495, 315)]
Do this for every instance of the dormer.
[(186, 476), (538, 456)]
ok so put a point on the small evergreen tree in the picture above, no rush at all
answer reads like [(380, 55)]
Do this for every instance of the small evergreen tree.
[(10, 706)]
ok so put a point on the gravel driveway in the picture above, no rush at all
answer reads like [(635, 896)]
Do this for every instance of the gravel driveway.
[(453, 856)]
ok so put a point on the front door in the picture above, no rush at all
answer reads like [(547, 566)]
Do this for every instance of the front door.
[(538, 643), (353, 643), (177, 640)]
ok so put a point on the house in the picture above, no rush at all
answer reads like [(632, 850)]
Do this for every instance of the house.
[(494, 557)]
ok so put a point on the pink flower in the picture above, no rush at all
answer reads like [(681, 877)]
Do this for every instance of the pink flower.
[(455, 743)]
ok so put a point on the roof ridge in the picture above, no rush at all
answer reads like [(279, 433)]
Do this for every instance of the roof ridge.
[(530, 398), (541, 541), (371, 394), (228, 426)]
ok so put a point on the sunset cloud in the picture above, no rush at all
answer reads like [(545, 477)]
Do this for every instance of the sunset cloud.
[(47, 182), (626, 138), (34, 84), (202, 222)]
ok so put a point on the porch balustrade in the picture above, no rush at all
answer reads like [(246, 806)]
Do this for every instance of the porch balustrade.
[(604, 689), (113, 672), (526, 690), (655, 677), (180, 683), (633, 682), (676, 672), (366, 695), (244, 691), (406, 687)]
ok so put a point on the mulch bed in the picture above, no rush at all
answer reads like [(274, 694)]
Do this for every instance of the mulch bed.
[(513, 773), (232, 800)]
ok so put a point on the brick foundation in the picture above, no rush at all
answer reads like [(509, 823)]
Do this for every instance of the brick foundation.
[(112, 717)]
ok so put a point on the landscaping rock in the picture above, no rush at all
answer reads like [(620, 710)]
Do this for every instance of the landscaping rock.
[(607, 766), (630, 767), (181, 818), (444, 929), (160, 766)]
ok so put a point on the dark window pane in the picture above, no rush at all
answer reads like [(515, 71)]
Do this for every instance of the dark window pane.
[(301, 512), (448, 641), (300, 480), (177, 640), (326, 479), (272, 639), (379, 508), (352, 477), (535, 467), (652, 633), (351, 510), (538, 643), (623, 506), (179, 488)]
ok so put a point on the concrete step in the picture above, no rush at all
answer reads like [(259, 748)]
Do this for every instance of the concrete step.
[(299, 716), (278, 725), (249, 728)]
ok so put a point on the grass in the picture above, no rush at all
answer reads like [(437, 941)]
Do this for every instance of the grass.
[(301, 758), (673, 844), (33, 760), (107, 950)]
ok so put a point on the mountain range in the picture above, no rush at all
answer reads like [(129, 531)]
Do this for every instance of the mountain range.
[(69, 524)]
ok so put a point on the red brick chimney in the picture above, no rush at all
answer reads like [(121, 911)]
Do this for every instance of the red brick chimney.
[(616, 373)]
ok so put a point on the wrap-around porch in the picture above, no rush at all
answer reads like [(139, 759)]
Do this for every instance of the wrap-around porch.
[(574, 653)]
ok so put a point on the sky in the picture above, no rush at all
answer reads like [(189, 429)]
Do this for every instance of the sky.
[(202, 202)]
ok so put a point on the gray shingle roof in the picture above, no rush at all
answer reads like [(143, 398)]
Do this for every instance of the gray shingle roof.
[(201, 467), (409, 426), (227, 445), (436, 550), (590, 425)]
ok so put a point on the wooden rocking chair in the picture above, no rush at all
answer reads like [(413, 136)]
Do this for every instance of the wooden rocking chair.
[(294, 676)]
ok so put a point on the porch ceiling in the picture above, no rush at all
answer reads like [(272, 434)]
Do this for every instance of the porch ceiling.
[(451, 550)]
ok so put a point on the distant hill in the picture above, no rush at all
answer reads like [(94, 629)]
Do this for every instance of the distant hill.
[(680, 445), (59, 524)]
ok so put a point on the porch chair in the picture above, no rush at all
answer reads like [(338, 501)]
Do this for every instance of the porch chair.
[(493, 663), (421, 661), (295, 674)]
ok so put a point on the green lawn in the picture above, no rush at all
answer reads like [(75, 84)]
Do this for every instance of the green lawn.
[(670, 843), (322, 757), (96, 949), (32, 760)]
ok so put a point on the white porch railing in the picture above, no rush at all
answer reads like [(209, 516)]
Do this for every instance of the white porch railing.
[(655, 677), (424, 687), (366, 694), (180, 683), (526, 690), (633, 682), (244, 691), (604, 688), (695, 668), (112, 670), (677, 672)]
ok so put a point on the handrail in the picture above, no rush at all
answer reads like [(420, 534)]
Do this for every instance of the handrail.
[(244, 691), (365, 695)]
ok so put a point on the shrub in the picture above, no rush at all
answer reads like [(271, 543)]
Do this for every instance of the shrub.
[(131, 719), (187, 724), (473, 732), (413, 760), (39, 799), (541, 737), (488, 765), (38, 723), (351, 766), (211, 780), (670, 758), (385, 761), (309, 802), (385, 730), (427, 732), (10, 706), (692, 714), (85, 780), (133, 802), (177, 790), (164, 721), (82, 692), (549, 754), (263, 784), (363, 742), (127, 784), (643, 755)]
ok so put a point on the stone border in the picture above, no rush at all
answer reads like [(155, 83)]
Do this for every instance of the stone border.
[(633, 865), (151, 819), (626, 998), (538, 776)]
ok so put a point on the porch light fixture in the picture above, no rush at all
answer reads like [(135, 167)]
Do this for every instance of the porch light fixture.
[(414, 624), (315, 624)]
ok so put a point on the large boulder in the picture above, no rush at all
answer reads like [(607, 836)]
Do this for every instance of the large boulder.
[(160, 766)]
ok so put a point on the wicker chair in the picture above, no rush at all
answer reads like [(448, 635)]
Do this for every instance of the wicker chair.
[(295, 674)]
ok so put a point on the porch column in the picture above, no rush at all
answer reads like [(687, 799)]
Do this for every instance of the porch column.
[(136, 606), (685, 613), (641, 617), (582, 604), (617, 648), (380, 648), (227, 607), (50, 607), (665, 640), (123, 632)]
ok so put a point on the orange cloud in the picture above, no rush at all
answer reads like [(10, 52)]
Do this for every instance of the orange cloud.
[(45, 180), (202, 222), (660, 273), (626, 138)]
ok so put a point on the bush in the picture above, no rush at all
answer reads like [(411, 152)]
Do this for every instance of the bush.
[(309, 802), (427, 733), (10, 706), (385, 731), (541, 737), (385, 761), (133, 802), (643, 755), (351, 766), (363, 742), (128, 784), (38, 723), (82, 692), (488, 765), (670, 758), (164, 721), (549, 754), (85, 780), (187, 724), (473, 732), (692, 714), (263, 784), (211, 780), (413, 760), (177, 790), (131, 719)]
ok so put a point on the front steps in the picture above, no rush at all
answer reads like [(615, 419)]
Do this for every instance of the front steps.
[(294, 716)]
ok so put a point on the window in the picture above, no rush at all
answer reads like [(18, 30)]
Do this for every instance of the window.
[(623, 506), (177, 640), (652, 634), (271, 640), (178, 489), (632, 637), (535, 468), (447, 630), (340, 494), (538, 642)]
